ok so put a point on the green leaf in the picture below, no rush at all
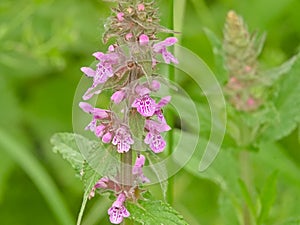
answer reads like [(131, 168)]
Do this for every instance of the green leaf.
[(267, 197), (247, 196), (270, 76), (160, 171), (287, 103), (292, 221), (65, 144), (220, 70), (86, 156), (137, 123), (89, 158), (149, 212)]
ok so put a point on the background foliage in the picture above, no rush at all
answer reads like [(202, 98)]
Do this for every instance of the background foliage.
[(43, 43)]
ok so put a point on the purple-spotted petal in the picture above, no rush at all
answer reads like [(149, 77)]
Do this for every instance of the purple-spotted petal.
[(117, 214), (145, 105), (156, 142), (122, 139), (103, 72)]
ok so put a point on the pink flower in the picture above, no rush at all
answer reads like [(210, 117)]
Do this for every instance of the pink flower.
[(145, 105), (117, 211), (143, 39), (161, 48), (103, 71), (122, 139), (99, 130), (100, 184), (98, 114), (120, 16), (107, 138), (155, 142), (141, 7), (128, 36), (137, 169), (154, 138), (155, 85), (118, 96), (158, 111)]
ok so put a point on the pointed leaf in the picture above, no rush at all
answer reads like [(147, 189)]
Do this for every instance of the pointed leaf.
[(272, 75), (267, 197), (151, 212), (287, 103), (160, 171)]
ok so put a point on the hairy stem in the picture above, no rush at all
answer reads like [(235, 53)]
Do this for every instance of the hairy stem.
[(246, 177), (126, 169)]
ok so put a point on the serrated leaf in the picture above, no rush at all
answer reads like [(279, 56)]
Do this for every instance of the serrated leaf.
[(287, 104), (151, 212), (89, 158), (160, 171), (65, 144), (85, 155), (270, 76), (267, 197)]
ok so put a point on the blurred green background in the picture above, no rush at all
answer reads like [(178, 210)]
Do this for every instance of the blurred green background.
[(43, 44)]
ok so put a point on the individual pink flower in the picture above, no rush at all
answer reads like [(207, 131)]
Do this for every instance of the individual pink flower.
[(128, 36), (141, 7), (98, 114), (158, 111), (117, 212), (154, 139), (118, 96), (120, 16), (99, 130), (137, 169), (145, 105), (122, 139), (161, 48), (107, 138), (104, 68), (155, 85), (143, 39), (102, 183)]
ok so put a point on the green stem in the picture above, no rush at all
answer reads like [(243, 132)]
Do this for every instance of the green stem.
[(170, 116), (126, 169), (38, 175), (246, 177)]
